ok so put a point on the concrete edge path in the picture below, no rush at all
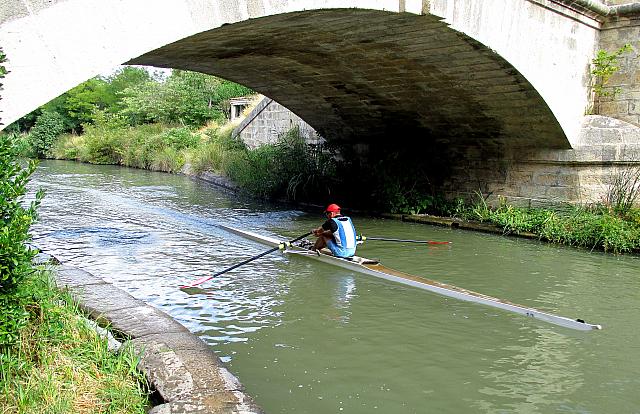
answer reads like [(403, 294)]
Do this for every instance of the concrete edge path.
[(186, 373)]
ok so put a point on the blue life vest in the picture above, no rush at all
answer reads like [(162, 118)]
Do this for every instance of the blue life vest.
[(346, 234)]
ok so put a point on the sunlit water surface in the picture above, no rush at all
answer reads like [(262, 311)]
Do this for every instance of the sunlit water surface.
[(306, 337)]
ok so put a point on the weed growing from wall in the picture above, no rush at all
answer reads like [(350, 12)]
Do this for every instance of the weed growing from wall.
[(603, 67)]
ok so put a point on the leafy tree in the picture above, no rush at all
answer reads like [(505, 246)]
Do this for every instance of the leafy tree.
[(142, 103), (125, 78), (23, 124), (188, 98), (44, 133), (78, 105)]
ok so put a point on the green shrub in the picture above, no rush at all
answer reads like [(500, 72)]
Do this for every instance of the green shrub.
[(44, 133), (15, 219), (23, 146), (103, 140), (633, 216), (135, 153), (255, 172), (179, 138), (593, 227), (605, 65), (310, 170), (207, 157), (101, 148), (600, 230), (218, 152), (67, 147), (13, 319), (168, 160), (290, 169)]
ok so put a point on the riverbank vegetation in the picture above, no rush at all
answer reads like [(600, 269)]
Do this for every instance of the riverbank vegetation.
[(600, 226), (50, 360), (181, 124)]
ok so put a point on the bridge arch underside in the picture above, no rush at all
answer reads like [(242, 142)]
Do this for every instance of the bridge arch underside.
[(367, 77)]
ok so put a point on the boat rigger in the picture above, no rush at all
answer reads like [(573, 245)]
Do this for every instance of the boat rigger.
[(374, 268)]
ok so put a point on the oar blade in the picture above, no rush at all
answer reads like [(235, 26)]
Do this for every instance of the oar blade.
[(196, 282)]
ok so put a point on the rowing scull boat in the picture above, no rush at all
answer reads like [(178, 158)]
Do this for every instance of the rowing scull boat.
[(374, 268)]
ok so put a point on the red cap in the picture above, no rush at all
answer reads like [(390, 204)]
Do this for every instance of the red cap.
[(332, 208)]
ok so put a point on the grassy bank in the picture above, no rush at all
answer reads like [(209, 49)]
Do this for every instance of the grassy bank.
[(289, 169), (111, 141), (52, 362), (598, 227)]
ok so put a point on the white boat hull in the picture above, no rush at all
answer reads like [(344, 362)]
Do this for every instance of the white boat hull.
[(360, 265)]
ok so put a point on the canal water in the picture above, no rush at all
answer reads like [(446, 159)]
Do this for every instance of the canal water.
[(306, 337)]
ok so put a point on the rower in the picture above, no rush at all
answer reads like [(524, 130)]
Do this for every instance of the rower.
[(337, 233)]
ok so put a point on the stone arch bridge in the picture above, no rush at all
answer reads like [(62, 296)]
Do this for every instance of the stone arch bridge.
[(499, 88)]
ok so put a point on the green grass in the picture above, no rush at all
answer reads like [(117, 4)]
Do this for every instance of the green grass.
[(594, 227), (216, 151), (59, 365)]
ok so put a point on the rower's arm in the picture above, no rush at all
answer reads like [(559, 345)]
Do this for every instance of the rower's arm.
[(322, 232)]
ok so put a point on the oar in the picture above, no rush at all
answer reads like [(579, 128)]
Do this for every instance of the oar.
[(363, 238), (281, 246)]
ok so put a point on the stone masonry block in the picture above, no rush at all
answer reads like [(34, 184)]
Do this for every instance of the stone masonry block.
[(632, 119), (613, 108), (142, 321), (565, 177), (70, 277), (100, 299), (166, 372), (193, 374), (561, 193)]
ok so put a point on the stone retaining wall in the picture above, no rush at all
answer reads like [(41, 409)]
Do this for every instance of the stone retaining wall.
[(539, 177), (267, 121)]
